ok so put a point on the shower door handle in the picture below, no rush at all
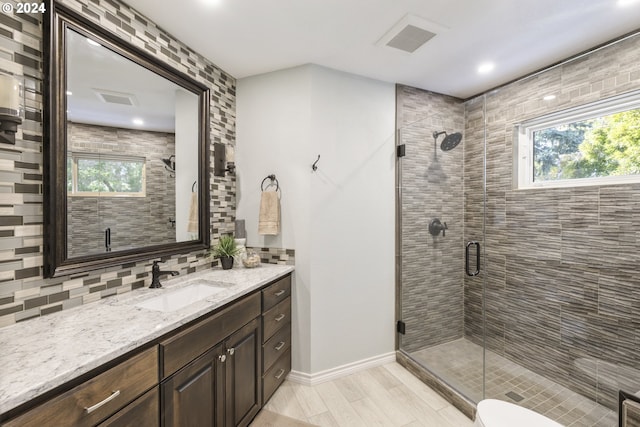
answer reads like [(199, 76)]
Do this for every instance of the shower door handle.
[(466, 258), (107, 239)]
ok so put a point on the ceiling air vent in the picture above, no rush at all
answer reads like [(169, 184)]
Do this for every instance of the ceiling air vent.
[(410, 38), (410, 33), (116, 97)]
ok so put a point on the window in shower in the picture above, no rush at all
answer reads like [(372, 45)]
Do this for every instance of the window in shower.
[(99, 175), (597, 143)]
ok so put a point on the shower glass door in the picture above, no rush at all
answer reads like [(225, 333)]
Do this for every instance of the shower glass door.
[(550, 320), (441, 220)]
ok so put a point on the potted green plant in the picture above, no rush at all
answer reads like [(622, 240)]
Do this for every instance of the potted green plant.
[(225, 249)]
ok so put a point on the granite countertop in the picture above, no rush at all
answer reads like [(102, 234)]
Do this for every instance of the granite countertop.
[(40, 354)]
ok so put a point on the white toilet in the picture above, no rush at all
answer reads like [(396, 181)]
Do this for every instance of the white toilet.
[(497, 413)]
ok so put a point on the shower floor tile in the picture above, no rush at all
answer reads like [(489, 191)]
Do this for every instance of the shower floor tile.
[(459, 363)]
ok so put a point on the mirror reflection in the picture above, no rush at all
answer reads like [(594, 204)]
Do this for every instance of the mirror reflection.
[(132, 153)]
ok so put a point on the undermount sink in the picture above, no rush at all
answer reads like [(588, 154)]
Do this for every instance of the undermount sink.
[(175, 300)]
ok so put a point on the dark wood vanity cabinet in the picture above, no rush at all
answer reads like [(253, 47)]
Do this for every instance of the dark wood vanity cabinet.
[(217, 371), (142, 412), (276, 330), (222, 387), (193, 396), (240, 372), (243, 379), (219, 388), (113, 393)]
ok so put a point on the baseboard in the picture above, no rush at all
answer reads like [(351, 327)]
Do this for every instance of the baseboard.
[(341, 371)]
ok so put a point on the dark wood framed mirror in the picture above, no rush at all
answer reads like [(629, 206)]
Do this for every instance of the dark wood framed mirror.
[(126, 149)]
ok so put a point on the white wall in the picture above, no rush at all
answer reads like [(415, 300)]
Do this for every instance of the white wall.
[(339, 219), (273, 116), (186, 158)]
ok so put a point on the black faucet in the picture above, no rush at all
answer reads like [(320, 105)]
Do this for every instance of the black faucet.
[(156, 273)]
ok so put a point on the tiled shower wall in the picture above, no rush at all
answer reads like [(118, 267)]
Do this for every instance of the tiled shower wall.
[(23, 291), (430, 186), (88, 217), (563, 291)]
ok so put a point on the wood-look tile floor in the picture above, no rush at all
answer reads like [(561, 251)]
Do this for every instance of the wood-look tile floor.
[(382, 396)]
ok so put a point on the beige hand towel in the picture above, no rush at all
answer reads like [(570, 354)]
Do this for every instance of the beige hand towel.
[(269, 219), (192, 225)]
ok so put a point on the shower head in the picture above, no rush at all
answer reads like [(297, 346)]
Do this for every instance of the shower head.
[(170, 163), (450, 141)]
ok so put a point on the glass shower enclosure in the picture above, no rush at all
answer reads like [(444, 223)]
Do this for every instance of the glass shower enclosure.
[(505, 293), (440, 242)]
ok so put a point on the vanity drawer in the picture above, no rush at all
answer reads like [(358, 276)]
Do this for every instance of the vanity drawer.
[(276, 292), (98, 398), (275, 318), (276, 346), (275, 376), (142, 412), (185, 346)]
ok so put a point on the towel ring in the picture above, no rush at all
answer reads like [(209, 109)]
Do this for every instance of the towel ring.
[(272, 177)]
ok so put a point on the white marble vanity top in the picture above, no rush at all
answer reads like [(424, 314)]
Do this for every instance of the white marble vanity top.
[(40, 354)]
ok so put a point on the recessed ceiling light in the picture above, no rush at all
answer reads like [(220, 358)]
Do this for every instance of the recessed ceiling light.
[(486, 67), (69, 93), (212, 2), (138, 122), (549, 97), (626, 2), (93, 42)]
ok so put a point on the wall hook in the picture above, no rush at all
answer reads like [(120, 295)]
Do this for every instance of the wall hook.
[(313, 166)]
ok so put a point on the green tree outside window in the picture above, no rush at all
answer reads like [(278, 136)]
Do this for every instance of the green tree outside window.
[(599, 147), (98, 174)]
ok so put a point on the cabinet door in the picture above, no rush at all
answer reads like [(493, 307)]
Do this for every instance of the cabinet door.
[(194, 396), (243, 381)]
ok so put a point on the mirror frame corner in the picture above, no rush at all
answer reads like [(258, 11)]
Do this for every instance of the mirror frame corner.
[(57, 19)]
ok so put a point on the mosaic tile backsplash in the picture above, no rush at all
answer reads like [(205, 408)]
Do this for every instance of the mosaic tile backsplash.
[(275, 255), (23, 291)]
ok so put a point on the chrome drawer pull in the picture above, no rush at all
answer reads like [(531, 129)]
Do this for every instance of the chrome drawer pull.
[(222, 358), (280, 317), (279, 346), (279, 374), (280, 292), (113, 395), (231, 351)]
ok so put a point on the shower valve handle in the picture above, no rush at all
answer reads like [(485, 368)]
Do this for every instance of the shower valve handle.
[(435, 227)]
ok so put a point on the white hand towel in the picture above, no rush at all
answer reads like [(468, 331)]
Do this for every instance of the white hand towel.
[(269, 218)]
